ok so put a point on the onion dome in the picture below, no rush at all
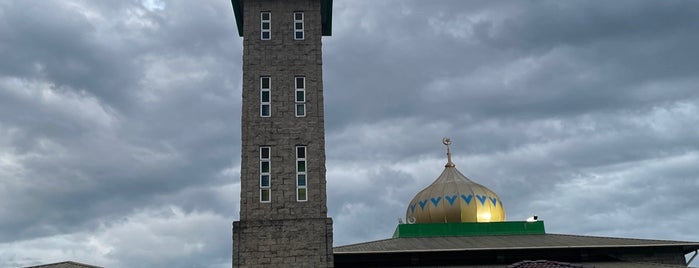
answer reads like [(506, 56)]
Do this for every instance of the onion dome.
[(452, 197)]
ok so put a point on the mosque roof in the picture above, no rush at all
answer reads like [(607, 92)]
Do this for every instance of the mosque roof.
[(505, 242), (499, 250)]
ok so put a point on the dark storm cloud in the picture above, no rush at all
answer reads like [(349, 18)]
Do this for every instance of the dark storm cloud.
[(61, 44), (119, 120), (109, 112), (556, 106), (533, 59)]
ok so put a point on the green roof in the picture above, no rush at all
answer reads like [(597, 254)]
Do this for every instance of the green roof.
[(469, 229), (326, 7)]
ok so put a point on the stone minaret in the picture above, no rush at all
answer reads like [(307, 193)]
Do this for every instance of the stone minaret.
[(283, 212)]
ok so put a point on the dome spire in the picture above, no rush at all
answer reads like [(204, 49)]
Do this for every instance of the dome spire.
[(447, 141)]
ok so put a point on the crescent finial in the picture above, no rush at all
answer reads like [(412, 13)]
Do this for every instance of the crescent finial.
[(447, 141)]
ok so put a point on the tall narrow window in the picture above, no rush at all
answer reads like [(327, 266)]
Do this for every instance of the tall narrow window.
[(298, 25), (301, 183), (265, 98), (300, 96), (266, 25), (265, 174)]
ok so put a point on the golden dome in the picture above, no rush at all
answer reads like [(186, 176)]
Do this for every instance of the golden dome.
[(452, 197)]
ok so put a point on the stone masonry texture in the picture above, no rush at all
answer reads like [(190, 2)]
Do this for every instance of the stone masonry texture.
[(283, 232)]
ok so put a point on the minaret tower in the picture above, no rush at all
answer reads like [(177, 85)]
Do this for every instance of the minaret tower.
[(283, 211)]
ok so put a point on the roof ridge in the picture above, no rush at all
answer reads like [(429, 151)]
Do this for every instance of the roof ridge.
[(65, 262), (367, 242)]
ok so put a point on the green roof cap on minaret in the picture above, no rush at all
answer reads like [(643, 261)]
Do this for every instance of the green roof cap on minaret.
[(326, 7)]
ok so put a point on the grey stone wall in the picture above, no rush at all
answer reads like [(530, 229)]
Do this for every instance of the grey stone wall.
[(283, 243), (283, 232), (282, 58)]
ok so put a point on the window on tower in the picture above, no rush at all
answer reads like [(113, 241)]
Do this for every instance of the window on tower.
[(265, 174), (301, 183), (265, 96), (298, 25), (265, 25), (300, 96)]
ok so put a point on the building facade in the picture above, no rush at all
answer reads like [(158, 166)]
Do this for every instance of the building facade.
[(283, 212), (456, 222)]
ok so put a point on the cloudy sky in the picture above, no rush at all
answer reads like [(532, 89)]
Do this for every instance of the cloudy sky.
[(120, 120)]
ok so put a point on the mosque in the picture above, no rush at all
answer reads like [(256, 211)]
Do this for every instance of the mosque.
[(453, 222), (456, 222)]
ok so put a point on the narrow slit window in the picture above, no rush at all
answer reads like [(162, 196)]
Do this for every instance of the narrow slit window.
[(266, 25), (265, 175), (265, 96), (300, 96), (301, 180), (298, 26)]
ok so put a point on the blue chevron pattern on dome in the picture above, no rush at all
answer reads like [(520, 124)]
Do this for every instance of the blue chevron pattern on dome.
[(450, 199), (481, 198), (435, 201), (467, 199), (423, 203)]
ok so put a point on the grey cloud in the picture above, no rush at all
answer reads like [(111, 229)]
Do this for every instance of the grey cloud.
[(77, 168), (120, 123), (573, 72)]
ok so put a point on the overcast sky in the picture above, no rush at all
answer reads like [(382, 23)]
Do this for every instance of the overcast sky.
[(120, 120)]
